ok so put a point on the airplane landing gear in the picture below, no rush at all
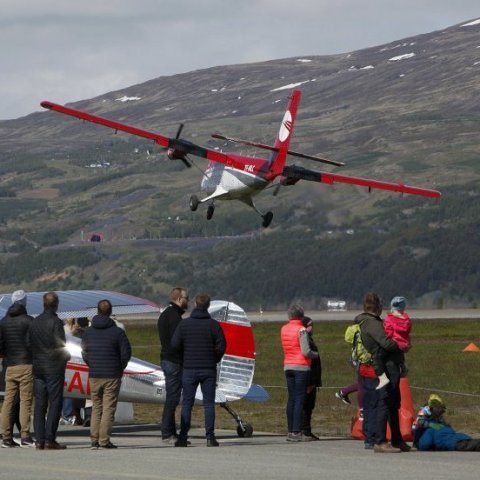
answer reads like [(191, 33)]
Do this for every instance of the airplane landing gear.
[(267, 219), (210, 210), (194, 202), (244, 429)]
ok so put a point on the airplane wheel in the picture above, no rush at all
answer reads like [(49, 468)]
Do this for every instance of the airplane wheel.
[(245, 430), (267, 219), (194, 202), (210, 210)]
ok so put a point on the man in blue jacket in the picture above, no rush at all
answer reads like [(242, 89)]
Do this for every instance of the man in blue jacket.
[(202, 343), (107, 351)]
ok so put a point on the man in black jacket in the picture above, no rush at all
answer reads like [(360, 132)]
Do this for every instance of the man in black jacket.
[(388, 400), (15, 347), (106, 350), (50, 356), (203, 344), (171, 361)]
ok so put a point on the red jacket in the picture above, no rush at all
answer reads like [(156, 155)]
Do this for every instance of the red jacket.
[(291, 344), (397, 327)]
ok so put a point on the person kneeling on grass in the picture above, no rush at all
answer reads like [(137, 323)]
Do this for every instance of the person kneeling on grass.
[(432, 432)]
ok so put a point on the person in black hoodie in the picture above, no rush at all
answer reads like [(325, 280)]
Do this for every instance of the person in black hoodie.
[(15, 347), (50, 356), (202, 343), (171, 361), (106, 350)]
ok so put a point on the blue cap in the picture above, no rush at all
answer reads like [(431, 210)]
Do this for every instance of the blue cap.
[(398, 303)]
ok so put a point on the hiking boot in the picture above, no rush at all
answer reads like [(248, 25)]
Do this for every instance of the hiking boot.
[(181, 443), (212, 442), (385, 448), (404, 447), (382, 381), (108, 446), (54, 446), (343, 398), (9, 443), (27, 442)]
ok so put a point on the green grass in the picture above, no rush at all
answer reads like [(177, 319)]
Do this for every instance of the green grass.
[(436, 363)]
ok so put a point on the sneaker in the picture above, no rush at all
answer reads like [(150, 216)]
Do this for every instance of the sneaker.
[(181, 443), (108, 446), (9, 443), (40, 445), (382, 381), (27, 442), (385, 448), (54, 446), (306, 438), (169, 440), (212, 442), (95, 446), (343, 398), (294, 437), (311, 435), (369, 446)]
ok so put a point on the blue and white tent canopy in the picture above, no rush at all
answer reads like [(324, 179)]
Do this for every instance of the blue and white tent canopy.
[(83, 303)]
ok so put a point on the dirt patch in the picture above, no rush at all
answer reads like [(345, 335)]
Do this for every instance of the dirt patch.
[(44, 193)]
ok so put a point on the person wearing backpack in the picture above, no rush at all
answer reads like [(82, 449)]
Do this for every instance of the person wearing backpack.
[(385, 409)]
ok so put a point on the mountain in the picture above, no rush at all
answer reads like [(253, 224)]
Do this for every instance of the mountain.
[(405, 111)]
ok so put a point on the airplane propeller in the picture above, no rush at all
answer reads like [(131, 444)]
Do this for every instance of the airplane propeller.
[(175, 153)]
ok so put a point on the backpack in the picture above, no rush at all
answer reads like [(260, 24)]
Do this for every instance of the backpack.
[(359, 353)]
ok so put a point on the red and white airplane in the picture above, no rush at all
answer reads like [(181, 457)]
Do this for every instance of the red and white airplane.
[(230, 176)]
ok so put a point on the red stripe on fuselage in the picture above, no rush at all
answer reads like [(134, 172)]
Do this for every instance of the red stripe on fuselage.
[(240, 341)]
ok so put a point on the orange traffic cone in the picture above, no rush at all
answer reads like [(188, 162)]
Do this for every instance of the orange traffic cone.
[(471, 347)]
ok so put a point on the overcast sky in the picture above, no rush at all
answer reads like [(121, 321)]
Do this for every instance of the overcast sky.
[(68, 50)]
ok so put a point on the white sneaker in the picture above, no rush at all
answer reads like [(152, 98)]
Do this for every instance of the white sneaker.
[(382, 381)]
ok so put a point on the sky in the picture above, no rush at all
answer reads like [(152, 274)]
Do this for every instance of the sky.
[(65, 50)]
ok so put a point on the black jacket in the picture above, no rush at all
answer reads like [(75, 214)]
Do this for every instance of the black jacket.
[(105, 348), (167, 324), (15, 337), (315, 376), (47, 337), (374, 337), (201, 341)]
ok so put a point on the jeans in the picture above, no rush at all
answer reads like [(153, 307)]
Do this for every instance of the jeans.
[(370, 403), (48, 391), (297, 390), (388, 405), (207, 379), (173, 390)]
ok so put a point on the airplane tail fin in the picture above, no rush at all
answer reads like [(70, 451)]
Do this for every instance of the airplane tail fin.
[(235, 371), (284, 136)]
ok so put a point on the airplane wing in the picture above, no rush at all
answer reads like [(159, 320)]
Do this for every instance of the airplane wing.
[(293, 173), (178, 147), (273, 149)]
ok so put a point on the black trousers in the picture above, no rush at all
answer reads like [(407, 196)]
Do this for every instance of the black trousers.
[(48, 392), (308, 407), (472, 445)]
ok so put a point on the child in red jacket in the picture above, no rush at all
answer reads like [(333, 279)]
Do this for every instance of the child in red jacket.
[(397, 325)]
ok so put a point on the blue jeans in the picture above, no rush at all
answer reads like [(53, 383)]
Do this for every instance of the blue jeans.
[(388, 405), (173, 389), (297, 390), (207, 379), (48, 392), (370, 403)]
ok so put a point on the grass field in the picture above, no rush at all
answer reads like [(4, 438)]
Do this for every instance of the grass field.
[(436, 363)]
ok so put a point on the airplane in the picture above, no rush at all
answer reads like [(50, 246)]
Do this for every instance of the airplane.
[(230, 176), (142, 381)]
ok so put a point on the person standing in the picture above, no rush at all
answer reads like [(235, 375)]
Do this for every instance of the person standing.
[(388, 399), (314, 381), (171, 360), (15, 347), (296, 363), (201, 340), (106, 350), (49, 356)]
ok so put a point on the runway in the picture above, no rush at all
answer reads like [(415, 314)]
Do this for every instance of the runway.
[(141, 455)]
